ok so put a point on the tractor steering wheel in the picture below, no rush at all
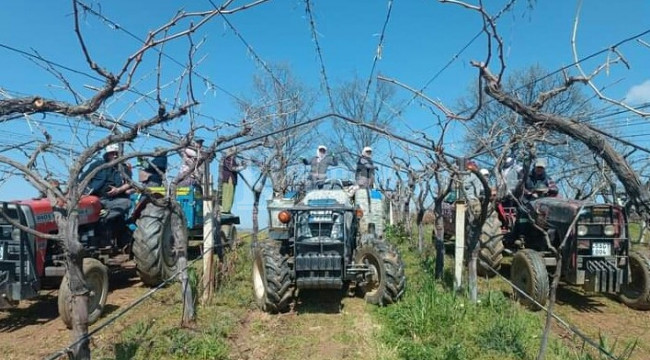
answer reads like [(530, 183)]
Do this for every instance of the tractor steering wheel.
[(333, 184)]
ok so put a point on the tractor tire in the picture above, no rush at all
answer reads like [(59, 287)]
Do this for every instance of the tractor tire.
[(528, 273), (636, 294), (153, 245), (228, 236), (272, 284), (387, 282), (491, 247), (96, 277), (232, 236)]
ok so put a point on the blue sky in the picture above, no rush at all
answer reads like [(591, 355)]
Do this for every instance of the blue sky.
[(420, 38)]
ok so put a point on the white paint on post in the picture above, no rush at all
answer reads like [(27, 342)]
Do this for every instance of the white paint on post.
[(460, 244), (208, 231), (208, 238)]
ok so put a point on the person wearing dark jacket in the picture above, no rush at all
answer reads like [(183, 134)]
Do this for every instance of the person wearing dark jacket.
[(110, 184), (319, 163), (365, 174), (538, 179), (153, 171), (228, 179)]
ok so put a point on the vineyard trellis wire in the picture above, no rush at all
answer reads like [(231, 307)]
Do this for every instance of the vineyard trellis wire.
[(67, 350)]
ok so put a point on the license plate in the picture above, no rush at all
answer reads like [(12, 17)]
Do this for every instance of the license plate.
[(601, 249)]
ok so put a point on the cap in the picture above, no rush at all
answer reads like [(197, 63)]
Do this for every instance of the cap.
[(367, 149), (112, 148), (540, 163), (485, 172), (322, 147)]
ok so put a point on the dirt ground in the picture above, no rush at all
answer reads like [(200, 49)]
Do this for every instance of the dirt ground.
[(320, 327), (33, 330), (600, 317)]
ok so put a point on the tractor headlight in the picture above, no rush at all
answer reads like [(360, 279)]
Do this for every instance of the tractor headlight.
[(582, 230), (284, 216), (609, 230)]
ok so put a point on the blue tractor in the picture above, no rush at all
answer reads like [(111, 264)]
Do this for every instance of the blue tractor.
[(330, 238)]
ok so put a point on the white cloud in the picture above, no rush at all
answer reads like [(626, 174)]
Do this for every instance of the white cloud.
[(639, 93)]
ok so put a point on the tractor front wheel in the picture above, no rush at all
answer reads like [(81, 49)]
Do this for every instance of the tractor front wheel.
[(385, 282), (636, 293), (96, 277), (528, 273), (272, 285)]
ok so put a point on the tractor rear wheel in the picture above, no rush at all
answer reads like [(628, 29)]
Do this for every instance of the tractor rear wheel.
[(491, 243), (153, 245), (272, 285), (385, 282), (636, 294), (528, 273), (96, 277)]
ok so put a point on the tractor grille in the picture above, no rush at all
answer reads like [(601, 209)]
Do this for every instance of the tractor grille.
[(320, 229), (320, 224), (594, 220)]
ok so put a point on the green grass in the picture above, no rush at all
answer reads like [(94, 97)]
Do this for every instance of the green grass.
[(156, 334), (434, 322)]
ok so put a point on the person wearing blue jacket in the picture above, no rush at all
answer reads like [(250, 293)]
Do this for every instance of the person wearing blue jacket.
[(110, 184)]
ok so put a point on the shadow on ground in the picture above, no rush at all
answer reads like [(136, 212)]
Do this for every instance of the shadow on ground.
[(44, 308), (319, 301)]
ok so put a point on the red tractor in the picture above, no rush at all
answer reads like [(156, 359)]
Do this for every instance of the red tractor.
[(596, 255), (27, 261)]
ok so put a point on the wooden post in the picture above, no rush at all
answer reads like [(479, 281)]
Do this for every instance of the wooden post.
[(208, 238)]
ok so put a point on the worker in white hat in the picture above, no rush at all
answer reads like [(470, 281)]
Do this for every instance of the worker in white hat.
[(112, 185), (319, 163), (365, 174), (538, 179)]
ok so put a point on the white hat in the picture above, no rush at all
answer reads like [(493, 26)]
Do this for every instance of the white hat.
[(540, 163), (112, 148), (485, 172), (322, 147), (367, 149)]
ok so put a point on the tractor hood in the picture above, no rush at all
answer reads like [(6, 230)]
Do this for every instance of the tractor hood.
[(89, 207), (326, 197), (562, 211)]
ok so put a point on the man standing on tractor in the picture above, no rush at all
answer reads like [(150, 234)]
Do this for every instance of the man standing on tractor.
[(318, 165), (511, 176), (112, 186), (191, 172), (365, 174), (228, 179), (539, 183)]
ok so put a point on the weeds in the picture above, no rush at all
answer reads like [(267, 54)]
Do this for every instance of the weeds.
[(435, 322)]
